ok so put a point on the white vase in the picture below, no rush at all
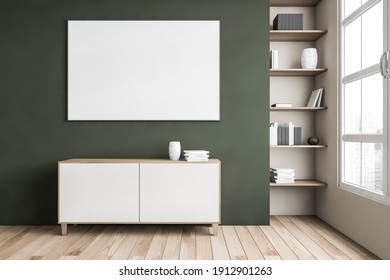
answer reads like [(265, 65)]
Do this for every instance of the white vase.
[(309, 58), (174, 150)]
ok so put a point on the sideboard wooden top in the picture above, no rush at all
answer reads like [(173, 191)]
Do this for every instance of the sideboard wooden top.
[(125, 160)]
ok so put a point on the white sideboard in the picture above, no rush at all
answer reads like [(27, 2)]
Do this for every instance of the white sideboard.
[(131, 191)]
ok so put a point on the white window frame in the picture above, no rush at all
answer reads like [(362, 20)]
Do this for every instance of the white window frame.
[(369, 138)]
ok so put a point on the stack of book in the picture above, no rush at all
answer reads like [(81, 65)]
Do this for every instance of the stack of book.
[(196, 155), (282, 175), (286, 134)]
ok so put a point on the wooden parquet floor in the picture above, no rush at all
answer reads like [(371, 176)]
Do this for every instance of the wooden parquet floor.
[(287, 238)]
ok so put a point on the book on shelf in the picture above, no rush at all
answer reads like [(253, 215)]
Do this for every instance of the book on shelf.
[(274, 59), (282, 175), (286, 134), (278, 169), (297, 135), (283, 181), (282, 178), (290, 135), (193, 152), (281, 105), (196, 159), (273, 133), (315, 98), (196, 155)]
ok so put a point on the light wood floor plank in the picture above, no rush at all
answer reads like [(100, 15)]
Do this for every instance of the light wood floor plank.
[(18, 242), (3, 229), (281, 247), (10, 231), (157, 246), (111, 244), (67, 258), (313, 247), (56, 247), (203, 243), (346, 245), (233, 243), (218, 246), (248, 243), (30, 249), (12, 236), (265, 246), (142, 245), (116, 240), (131, 236), (188, 249), (325, 244), (99, 247), (349, 241), (294, 244), (172, 247), (79, 246)]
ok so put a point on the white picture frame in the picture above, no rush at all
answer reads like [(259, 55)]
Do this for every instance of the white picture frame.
[(143, 70)]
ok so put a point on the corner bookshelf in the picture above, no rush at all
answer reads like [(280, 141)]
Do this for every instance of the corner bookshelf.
[(297, 36)]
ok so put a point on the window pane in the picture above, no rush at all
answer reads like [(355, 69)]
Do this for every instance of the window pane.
[(352, 107), (372, 35), (350, 6), (372, 169), (372, 101), (352, 163), (352, 47)]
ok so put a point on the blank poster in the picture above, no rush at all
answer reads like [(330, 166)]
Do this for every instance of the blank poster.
[(143, 70)]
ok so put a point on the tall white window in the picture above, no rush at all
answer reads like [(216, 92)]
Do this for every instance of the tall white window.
[(364, 102)]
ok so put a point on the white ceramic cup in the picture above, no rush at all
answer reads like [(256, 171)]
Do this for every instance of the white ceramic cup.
[(174, 150)]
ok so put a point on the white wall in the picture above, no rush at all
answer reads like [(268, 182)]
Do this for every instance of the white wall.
[(365, 221)]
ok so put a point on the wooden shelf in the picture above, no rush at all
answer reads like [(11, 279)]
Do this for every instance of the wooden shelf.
[(301, 183), (297, 109), (297, 72), (294, 3), (299, 146), (296, 35)]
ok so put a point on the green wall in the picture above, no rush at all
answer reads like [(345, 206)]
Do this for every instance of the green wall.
[(35, 134)]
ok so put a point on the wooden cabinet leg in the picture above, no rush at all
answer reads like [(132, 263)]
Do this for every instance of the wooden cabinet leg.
[(215, 229), (64, 229)]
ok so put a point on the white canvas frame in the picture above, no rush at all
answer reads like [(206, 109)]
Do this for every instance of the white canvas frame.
[(143, 70)]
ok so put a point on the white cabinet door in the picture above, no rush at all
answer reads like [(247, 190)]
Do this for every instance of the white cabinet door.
[(180, 193), (99, 192)]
